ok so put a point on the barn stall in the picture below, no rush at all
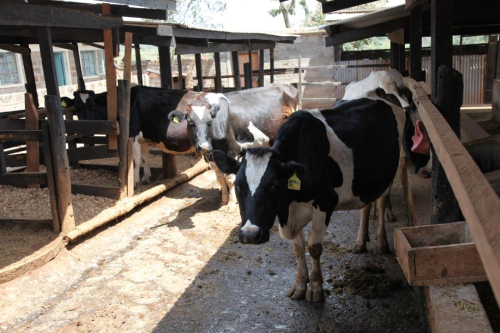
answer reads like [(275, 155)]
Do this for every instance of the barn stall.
[(452, 294)]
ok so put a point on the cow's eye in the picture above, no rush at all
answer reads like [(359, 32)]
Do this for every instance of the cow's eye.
[(209, 123), (274, 187), (190, 122)]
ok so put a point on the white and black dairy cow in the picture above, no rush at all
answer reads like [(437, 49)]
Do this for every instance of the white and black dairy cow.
[(149, 121), (322, 161), (236, 121)]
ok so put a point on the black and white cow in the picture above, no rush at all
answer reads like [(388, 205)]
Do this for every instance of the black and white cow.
[(236, 121), (344, 158), (149, 121)]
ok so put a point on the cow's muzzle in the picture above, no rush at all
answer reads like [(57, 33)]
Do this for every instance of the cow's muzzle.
[(254, 236)]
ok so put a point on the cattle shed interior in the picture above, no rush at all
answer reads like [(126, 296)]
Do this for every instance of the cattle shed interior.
[(465, 183)]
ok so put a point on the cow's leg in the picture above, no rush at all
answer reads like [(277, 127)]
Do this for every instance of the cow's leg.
[(146, 178), (389, 214), (136, 155), (232, 201), (298, 290), (315, 292), (222, 182), (363, 236), (382, 244)]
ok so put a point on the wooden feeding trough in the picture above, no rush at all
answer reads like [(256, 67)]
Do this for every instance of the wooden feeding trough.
[(438, 254)]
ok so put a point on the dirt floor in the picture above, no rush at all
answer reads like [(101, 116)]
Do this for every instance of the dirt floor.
[(163, 271), (18, 241)]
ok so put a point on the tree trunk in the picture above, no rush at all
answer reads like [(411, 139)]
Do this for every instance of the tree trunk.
[(284, 11)]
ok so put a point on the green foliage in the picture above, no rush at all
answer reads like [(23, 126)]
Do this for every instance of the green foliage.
[(315, 18), (198, 13)]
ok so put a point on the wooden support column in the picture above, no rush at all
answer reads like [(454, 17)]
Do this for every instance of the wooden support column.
[(236, 70), (138, 64), (416, 43), (110, 77), (491, 67), (32, 147), (444, 205), (247, 69), (47, 151), (251, 69), (261, 68), (441, 39), (125, 159), (271, 63), (165, 67), (182, 84), (218, 73), (47, 54), (60, 162), (199, 71), (3, 163), (398, 56), (78, 66), (30, 75), (127, 59)]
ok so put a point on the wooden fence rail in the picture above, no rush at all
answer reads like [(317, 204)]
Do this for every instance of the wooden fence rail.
[(478, 201)]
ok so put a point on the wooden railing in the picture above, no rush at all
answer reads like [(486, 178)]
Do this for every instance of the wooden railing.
[(478, 201)]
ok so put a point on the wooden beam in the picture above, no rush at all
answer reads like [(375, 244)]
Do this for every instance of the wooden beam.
[(491, 67), (49, 68), (32, 147), (199, 71), (124, 115), (441, 38), (182, 83), (480, 205), (138, 63), (155, 4), (47, 149), (366, 32), (236, 70), (91, 127), (248, 75), (12, 135), (416, 43), (110, 77), (97, 46), (165, 67), (222, 47), (3, 162), (23, 50), (335, 5), (23, 179), (261, 68), (78, 67), (29, 74), (218, 74), (127, 60), (271, 63)]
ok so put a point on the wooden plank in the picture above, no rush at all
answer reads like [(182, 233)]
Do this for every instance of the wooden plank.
[(91, 127), (127, 60), (78, 67), (130, 168), (91, 153), (60, 163), (23, 50), (169, 165), (248, 75), (199, 71), (218, 78), (47, 149), (138, 63), (444, 206), (333, 6), (479, 203), (23, 179), (182, 83), (165, 67), (236, 70), (21, 135), (124, 115), (43, 16), (29, 74), (110, 77), (261, 68), (222, 47), (32, 147), (49, 68), (112, 192), (491, 67), (271, 64)]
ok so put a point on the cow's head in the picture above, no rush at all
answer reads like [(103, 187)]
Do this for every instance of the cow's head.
[(89, 106), (261, 188), (206, 118)]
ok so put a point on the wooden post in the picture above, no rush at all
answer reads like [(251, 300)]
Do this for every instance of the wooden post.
[(271, 62), (236, 70), (491, 67), (127, 59), (110, 77), (123, 138), (60, 162), (416, 43), (47, 151), (78, 66), (261, 68), (247, 75), (130, 168), (169, 165), (300, 82), (138, 64), (251, 69), (218, 74), (47, 54), (199, 71), (402, 57), (30, 75), (441, 39), (165, 67), (182, 84), (3, 163), (450, 95), (398, 56), (337, 53), (32, 147)]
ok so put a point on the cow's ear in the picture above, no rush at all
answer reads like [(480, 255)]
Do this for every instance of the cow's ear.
[(225, 163), (292, 167), (176, 116), (220, 112)]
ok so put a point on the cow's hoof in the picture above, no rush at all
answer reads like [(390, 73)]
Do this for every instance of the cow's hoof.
[(315, 294), (383, 247), (359, 248), (231, 208), (297, 292)]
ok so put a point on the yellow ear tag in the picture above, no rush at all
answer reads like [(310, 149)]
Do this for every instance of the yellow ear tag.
[(294, 182), (63, 104), (176, 120)]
